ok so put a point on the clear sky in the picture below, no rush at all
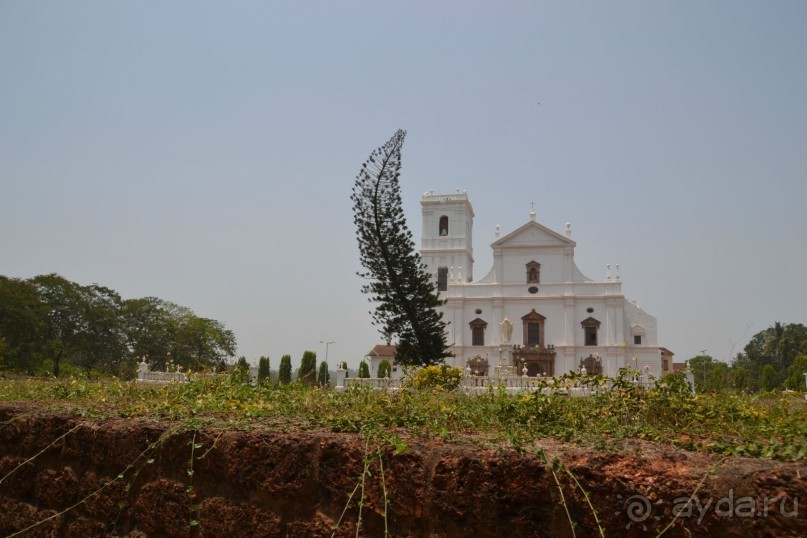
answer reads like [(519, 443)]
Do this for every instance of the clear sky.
[(204, 152)]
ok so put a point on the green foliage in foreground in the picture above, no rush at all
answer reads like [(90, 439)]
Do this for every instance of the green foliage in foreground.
[(771, 426)]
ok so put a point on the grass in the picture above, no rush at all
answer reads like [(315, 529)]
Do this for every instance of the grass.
[(769, 426)]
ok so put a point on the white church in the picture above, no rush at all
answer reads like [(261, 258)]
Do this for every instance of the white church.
[(557, 319)]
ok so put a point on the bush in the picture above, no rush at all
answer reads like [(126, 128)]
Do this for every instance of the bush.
[(240, 373), (364, 370), (384, 369), (768, 378), (284, 375), (441, 377), (263, 371), (308, 368), (324, 376)]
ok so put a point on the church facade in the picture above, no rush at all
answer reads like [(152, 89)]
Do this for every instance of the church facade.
[(534, 303)]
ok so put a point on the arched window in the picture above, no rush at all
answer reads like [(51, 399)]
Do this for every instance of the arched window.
[(443, 225)]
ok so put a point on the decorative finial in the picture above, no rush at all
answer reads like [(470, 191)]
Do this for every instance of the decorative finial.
[(498, 231), (617, 272), (569, 229), (608, 271)]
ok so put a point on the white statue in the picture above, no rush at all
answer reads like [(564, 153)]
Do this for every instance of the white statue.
[(506, 328)]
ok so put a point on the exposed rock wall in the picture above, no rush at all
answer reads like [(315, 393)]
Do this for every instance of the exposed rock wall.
[(297, 483)]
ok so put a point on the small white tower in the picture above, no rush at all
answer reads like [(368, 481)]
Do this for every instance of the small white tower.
[(447, 234)]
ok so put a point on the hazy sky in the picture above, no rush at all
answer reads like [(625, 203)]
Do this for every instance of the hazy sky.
[(204, 152)]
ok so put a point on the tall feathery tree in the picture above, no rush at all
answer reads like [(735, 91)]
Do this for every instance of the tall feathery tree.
[(404, 294)]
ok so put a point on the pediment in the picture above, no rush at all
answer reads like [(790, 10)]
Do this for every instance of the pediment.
[(533, 234), (590, 322), (533, 316)]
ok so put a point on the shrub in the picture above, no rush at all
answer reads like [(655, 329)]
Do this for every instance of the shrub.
[(768, 378), (384, 369), (240, 373), (364, 370), (441, 377), (284, 375), (308, 368), (263, 371), (323, 376)]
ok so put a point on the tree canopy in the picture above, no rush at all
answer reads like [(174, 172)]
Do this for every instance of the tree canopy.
[(404, 293), (47, 321), (777, 347)]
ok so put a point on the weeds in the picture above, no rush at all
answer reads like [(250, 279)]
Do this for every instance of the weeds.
[(724, 423)]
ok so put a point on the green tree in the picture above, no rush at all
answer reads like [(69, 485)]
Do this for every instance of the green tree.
[(150, 328), (65, 321), (284, 374), (768, 378), (201, 343), (795, 374), (323, 375), (384, 369), (701, 366), (398, 283), (718, 379), (364, 370), (101, 344), (777, 346), (240, 373), (308, 368), (23, 326), (264, 374), (739, 378)]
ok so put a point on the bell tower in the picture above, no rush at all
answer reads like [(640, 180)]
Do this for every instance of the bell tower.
[(446, 246)]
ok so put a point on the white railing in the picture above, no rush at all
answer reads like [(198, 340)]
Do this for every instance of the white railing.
[(144, 375), (375, 383), (162, 377), (511, 384)]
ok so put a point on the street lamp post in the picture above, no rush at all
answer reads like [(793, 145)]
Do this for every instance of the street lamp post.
[(326, 350), (703, 369)]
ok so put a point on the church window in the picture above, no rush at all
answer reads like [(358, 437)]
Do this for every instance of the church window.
[(533, 328), (533, 334), (591, 336), (444, 225), (478, 327), (442, 278), (478, 336), (590, 328), (533, 272), (638, 332)]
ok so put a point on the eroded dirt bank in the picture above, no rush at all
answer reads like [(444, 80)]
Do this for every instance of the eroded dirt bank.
[(296, 483)]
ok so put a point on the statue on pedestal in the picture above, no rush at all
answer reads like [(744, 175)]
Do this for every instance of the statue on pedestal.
[(506, 330)]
